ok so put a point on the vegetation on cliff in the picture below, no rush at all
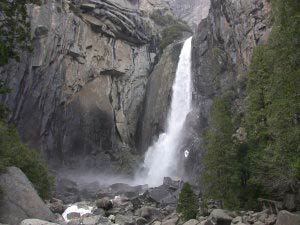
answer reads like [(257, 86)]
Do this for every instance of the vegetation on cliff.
[(15, 37), (267, 163)]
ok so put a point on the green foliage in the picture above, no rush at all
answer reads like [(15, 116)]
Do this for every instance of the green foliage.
[(162, 20), (220, 161), (273, 101), (267, 163), (14, 153), (14, 29), (173, 32), (187, 203)]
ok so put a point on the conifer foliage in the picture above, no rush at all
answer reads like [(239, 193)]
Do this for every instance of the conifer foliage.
[(187, 202)]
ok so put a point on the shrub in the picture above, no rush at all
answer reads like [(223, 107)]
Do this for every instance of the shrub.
[(187, 203), (173, 32), (14, 153)]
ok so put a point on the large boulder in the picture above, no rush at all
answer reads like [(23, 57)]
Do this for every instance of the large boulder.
[(287, 218), (20, 200), (220, 217)]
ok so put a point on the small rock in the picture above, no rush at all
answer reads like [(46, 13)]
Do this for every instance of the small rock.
[(271, 220), (149, 213), (112, 218), (171, 220), (258, 223), (104, 203), (201, 218), (36, 222), (141, 221), (98, 212), (237, 220)]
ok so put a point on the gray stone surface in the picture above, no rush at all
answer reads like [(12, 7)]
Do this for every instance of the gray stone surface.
[(78, 97), (20, 199), (287, 218), (158, 96), (36, 222), (191, 11)]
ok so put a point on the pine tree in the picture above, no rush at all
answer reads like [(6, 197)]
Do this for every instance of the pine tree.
[(187, 203)]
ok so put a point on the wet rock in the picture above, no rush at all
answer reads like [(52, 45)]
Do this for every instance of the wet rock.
[(104, 203), (20, 200), (73, 215), (287, 218)]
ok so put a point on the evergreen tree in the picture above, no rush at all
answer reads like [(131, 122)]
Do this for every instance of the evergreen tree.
[(187, 203)]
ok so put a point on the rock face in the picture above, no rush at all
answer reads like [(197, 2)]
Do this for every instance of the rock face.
[(191, 11), (20, 200), (222, 49), (79, 95), (158, 96)]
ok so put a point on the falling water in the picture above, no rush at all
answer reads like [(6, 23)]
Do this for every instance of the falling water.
[(162, 157)]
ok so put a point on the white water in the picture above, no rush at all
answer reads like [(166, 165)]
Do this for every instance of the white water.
[(161, 158)]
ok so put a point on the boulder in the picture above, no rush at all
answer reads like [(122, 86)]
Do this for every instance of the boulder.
[(36, 222), (287, 218), (41, 30), (57, 206), (20, 200), (220, 217), (191, 222), (149, 213), (104, 203)]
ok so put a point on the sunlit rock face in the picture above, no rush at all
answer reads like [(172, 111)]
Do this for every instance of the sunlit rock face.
[(191, 11)]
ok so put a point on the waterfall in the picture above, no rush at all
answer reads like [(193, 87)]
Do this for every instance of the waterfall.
[(161, 158)]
